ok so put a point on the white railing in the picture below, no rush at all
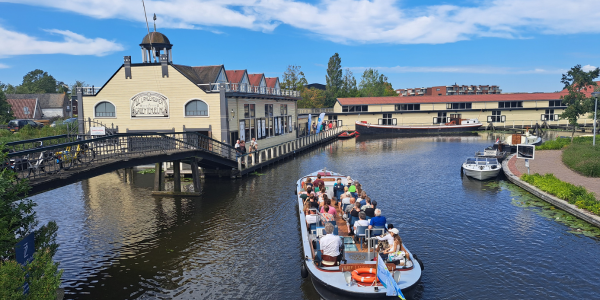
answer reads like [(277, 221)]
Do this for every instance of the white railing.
[(89, 91), (247, 88)]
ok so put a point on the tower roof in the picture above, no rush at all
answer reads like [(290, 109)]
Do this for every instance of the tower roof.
[(156, 38)]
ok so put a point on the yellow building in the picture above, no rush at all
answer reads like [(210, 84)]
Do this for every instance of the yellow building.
[(160, 96), (500, 109)]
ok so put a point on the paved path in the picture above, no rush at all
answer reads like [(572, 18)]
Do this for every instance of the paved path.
[(550, 161)]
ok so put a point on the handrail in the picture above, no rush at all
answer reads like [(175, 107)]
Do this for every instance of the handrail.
[(36, 140)]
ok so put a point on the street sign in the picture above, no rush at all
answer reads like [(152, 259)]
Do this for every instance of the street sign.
[(24, 254), (97, 131), (525, 151)]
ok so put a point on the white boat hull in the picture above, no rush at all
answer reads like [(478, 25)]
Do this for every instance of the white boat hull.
[(481, 174)]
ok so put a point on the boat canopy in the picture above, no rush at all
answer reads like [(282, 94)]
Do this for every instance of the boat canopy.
[(482, 161)]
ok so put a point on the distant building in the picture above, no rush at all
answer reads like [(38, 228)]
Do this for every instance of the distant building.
[(50, 105), (450, 90), (317, 86), (25, 108)]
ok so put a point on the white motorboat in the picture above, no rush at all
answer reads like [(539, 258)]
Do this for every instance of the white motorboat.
[(338, 281), (481, 168)]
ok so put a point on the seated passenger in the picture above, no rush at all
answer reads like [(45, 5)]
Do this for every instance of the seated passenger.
[(352, 190), (345, 198), (338, 188), (367, 204), (384, 241), (307, 184), (318, 181), (350, 207), (362, 221), (378, 220), (328, 209), (330, 247), (313, 201), (311, 218), (353, 216), (363, 198), (394, 247)]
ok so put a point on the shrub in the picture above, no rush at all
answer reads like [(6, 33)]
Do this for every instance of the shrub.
[(576, 195)]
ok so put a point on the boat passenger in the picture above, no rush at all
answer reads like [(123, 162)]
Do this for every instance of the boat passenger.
[(313, 201), (308, 183), (311, 218), (394, 247), (362, 220), (384, 241), (367, 203), (353, 216), (338, 188), (363, 198), (305, 195), (346, 198), (318, 181), (371, 210), (350, 207), (378, 220), (358, 186), (328, 209), (330, 247), (352, 190)]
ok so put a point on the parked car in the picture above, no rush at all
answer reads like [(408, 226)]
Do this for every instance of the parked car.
[(67, 121), (16, 125)]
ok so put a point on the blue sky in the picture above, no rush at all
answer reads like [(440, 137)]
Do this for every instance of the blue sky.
[(523, 46)]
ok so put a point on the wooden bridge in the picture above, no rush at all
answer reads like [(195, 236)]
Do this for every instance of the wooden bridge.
[(57, 161)]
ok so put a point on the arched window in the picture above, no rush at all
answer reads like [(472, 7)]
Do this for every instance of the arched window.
[(104, 110), (196, 108)]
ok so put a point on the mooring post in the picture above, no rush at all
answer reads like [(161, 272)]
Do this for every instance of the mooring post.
[(157, 177), (177, 176), (195, 175)]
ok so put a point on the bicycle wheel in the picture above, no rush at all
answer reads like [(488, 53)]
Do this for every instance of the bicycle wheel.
[(86, 156)]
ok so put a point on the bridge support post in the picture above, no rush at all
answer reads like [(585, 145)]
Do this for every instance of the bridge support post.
[(239, 163), (260, 156), (177, 176), (195, 175), (125, 175), (254, 158), (157, 177)]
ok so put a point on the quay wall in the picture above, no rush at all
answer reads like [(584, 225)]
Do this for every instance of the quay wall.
[(562, 204)]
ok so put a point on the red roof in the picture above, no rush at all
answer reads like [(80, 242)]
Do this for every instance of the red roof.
[(271, 81), (255, 79), (235, 76), (447, 99), (18, 108)]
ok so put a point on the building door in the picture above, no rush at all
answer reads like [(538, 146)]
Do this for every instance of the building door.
[(233, 137)]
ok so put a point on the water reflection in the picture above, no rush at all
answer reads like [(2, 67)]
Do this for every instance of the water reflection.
[(240, 239)]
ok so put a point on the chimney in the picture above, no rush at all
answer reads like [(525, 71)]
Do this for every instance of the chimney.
[(127, 64), (164, 63)]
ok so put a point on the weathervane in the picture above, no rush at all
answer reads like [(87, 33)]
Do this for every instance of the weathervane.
[(154, 22)]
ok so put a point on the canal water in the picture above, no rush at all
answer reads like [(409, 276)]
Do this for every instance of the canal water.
[(240, 240)]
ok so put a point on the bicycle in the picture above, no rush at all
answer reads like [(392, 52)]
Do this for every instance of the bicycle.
[(81, 155)]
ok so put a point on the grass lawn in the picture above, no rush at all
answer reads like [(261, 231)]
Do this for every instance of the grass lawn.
[(583, 158)]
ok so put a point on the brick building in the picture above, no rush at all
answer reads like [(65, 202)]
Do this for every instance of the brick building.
[(449, 90)]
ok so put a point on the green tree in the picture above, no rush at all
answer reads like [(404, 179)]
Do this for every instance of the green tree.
[(373, 84), (7, 88), (5, 109), (349, 88), (577, 82), (312, 98), (37, 82), (17, 220), (293, 79), (334, 80)]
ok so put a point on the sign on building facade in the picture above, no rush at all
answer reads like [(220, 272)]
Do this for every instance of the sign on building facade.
[(149, 104)]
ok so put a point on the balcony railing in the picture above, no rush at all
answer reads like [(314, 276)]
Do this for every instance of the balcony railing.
[(89, 91), (247, 88)]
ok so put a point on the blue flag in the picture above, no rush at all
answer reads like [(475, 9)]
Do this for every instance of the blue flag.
[(320, 121), (309, 123), (386, 278)]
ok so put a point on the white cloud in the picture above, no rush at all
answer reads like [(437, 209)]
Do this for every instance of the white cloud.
[(461, 69), (588, 68), (71, 43), (362, 21), (3, 66)]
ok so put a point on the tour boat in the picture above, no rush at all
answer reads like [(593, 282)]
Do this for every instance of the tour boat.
[(456, 124), (346, 280), (481, 168), (348, 134), (510, 144)]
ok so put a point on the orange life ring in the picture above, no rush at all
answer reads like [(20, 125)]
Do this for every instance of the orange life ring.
[(368, 279)]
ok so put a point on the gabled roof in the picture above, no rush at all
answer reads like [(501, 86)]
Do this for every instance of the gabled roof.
[(44, 100), (255, 79), (18, 106), (235, 76), (450, 99), (272, 81), (200, 75)]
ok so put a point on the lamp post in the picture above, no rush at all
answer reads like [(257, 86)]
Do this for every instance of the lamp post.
[(595, 95)]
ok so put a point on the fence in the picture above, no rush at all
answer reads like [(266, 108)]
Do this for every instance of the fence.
[(305, 111), (252, 159), (53, 158)]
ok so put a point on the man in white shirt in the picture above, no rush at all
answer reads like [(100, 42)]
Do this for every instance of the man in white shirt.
[(361, 222), (311, 218), (345, 198), (330, 247)]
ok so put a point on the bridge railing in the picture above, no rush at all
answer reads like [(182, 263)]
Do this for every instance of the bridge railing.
[(52, 160), (252, 159)]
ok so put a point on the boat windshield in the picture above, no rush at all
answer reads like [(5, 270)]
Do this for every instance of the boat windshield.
[(482, 161)]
